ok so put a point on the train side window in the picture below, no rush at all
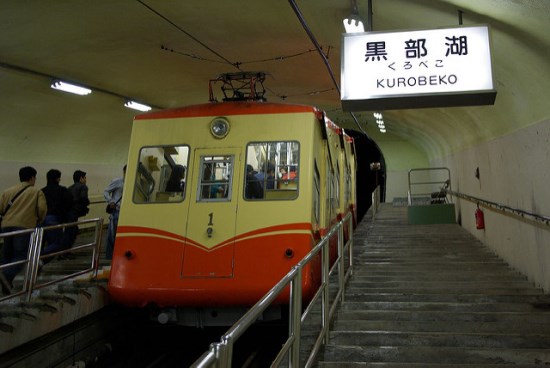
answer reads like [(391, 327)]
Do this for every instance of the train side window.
[(272, 170), (215, 182), (161, 174), (348, 186), (317, 194)]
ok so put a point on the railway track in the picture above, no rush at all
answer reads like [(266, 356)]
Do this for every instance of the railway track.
[(120, 337)]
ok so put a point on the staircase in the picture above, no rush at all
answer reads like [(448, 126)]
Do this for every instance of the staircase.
[(434, 296)]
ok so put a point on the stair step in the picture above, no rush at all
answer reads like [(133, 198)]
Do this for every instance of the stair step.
[(439, 316), (439, 307), (518, 327), (442, 290), (415, 365), (423, 277), (441, 339), (355, 295), (436, 355)]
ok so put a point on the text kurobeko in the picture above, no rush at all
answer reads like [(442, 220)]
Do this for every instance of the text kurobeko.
[(430, 80)]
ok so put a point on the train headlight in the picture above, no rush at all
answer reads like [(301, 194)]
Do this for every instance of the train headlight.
[(219, 127)]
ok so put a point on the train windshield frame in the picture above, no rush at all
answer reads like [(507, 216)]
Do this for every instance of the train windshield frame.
[(161, 174), (215, 184)]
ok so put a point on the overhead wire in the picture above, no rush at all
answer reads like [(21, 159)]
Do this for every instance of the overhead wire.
[(189, 35), (234, 64), (192, 56), (237, 64), (303, 22)]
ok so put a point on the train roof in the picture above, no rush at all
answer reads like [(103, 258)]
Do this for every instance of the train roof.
[(227, 108)]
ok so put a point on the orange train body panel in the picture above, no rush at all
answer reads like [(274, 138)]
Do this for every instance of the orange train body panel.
[(234, 108), (152, 270)]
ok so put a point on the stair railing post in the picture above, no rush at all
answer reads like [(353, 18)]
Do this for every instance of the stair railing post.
[(295, 319), (33, 258)]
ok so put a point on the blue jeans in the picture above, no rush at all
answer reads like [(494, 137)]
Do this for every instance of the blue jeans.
[(70, 232), (111, 234), (52, 238), (16, 248)]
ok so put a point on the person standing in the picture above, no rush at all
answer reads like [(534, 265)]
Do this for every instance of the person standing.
[(113, 196), (60, 201), (79, 208), (22, 207), (253, 188)]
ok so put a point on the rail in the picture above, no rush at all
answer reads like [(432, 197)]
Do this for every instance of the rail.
[(32, 262), (519, 213), (220, 354), (432, 183)]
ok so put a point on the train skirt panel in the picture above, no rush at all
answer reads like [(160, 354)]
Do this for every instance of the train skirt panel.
[(151, 267)]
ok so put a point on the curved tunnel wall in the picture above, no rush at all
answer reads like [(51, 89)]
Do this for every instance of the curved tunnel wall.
[(514, 171)]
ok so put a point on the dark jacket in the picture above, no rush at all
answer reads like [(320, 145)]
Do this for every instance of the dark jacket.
[(59, 200), (80, 199)]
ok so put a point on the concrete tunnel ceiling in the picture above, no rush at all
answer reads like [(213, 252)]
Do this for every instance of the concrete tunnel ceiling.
[(164, 52)]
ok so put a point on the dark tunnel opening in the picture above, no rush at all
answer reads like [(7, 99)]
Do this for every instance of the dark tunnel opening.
[(367, 152)]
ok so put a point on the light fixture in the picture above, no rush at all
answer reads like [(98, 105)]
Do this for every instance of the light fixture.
[(219, 127), (380, 121), (354, 24), (71, 88), (137, 106)]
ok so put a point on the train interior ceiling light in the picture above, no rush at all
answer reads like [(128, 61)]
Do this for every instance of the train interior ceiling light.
[(71, 88), (137, 106)]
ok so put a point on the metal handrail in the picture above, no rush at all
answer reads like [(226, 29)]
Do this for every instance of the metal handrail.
[(521, 214), (30, 278), (445, 183), (220, 353)]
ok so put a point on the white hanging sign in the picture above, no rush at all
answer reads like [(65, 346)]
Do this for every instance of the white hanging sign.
[(413, 69)]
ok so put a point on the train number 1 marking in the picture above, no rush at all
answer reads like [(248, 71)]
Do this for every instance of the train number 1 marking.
[(211, 216)]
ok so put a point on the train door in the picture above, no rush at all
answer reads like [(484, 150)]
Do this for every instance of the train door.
[(212, 216)]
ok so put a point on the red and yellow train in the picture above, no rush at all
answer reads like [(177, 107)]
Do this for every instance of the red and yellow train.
[(222, 199)]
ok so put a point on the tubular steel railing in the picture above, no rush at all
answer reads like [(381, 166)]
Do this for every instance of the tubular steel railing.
[(431, 183), (518, 213), (221, 353), (32, 262)]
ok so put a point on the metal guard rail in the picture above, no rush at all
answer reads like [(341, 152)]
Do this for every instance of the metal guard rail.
[(220, 354), (410, 193), (504, 208), (30, 278)]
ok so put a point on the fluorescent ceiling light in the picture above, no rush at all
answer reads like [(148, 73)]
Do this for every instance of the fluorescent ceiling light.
[(137, 106), (71, 88), (353, 24)]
